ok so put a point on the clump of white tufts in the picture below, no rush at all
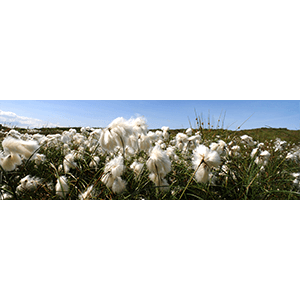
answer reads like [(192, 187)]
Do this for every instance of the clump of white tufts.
[(129, 152), (159, 166), (10, 162), (62, 187), (189, 131), (202, 154), (5, 196), (159, 162), (247, 140), (235, 151), (139, 125), (181, 138), (144, 142), (165, 134), (159, 134), (89, 193), (115, 134), (18, 146), (39, 158), (170, 151), (204, 159), (115, 166), (253, 152), (108, 179), (279, 145), (94, 162), (119, 185), (137, 168), (14, 133), (133, 141), (202, 174), (112, 170), (69, 162), (262, 158), (153, 137), (28, 183), (296, 181), (5, 193)]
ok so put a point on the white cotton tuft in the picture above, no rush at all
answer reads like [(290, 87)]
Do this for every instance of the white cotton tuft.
[(202, 174), (155, 178), (14, 133), (262, 158), (69, 162), (18, 146), (170, 151), (133, 142), (129, 152), (94, 162), (139, 125), (144, 142), (8, 163), (235, 150), (213, 159), (62, 187), (180, 145), (108, 140), (152, 136), (296, 175), (5, 196), (189, 131), (159, 133), (213, 146), (166, 135), (116, 134), (39, 158), (119, 185), (247, 139), (219, 147), (181, 138), (203, 160), (108, 179), (137, 168), (159, 162), (200, 153), (28, 183), (121, 126), (253, 152), (89, 193), (115, 166)]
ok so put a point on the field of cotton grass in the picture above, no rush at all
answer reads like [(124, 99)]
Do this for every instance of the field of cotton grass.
[(127, 161)]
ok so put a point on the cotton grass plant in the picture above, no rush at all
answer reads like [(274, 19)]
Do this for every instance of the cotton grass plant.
[(127, 161)]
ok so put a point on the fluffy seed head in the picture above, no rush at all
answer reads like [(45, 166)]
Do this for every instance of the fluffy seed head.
[(119, 185), (18, 146), (159, 162), (62, 186), (202, 154), (137, 167), (87, 194)]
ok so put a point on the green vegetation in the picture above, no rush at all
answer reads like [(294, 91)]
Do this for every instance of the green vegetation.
[(239, 175)]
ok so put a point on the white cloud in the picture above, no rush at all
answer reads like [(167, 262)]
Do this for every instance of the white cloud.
[(11, 119)]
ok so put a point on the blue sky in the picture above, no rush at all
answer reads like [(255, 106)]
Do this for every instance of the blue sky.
[(172, 113)]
